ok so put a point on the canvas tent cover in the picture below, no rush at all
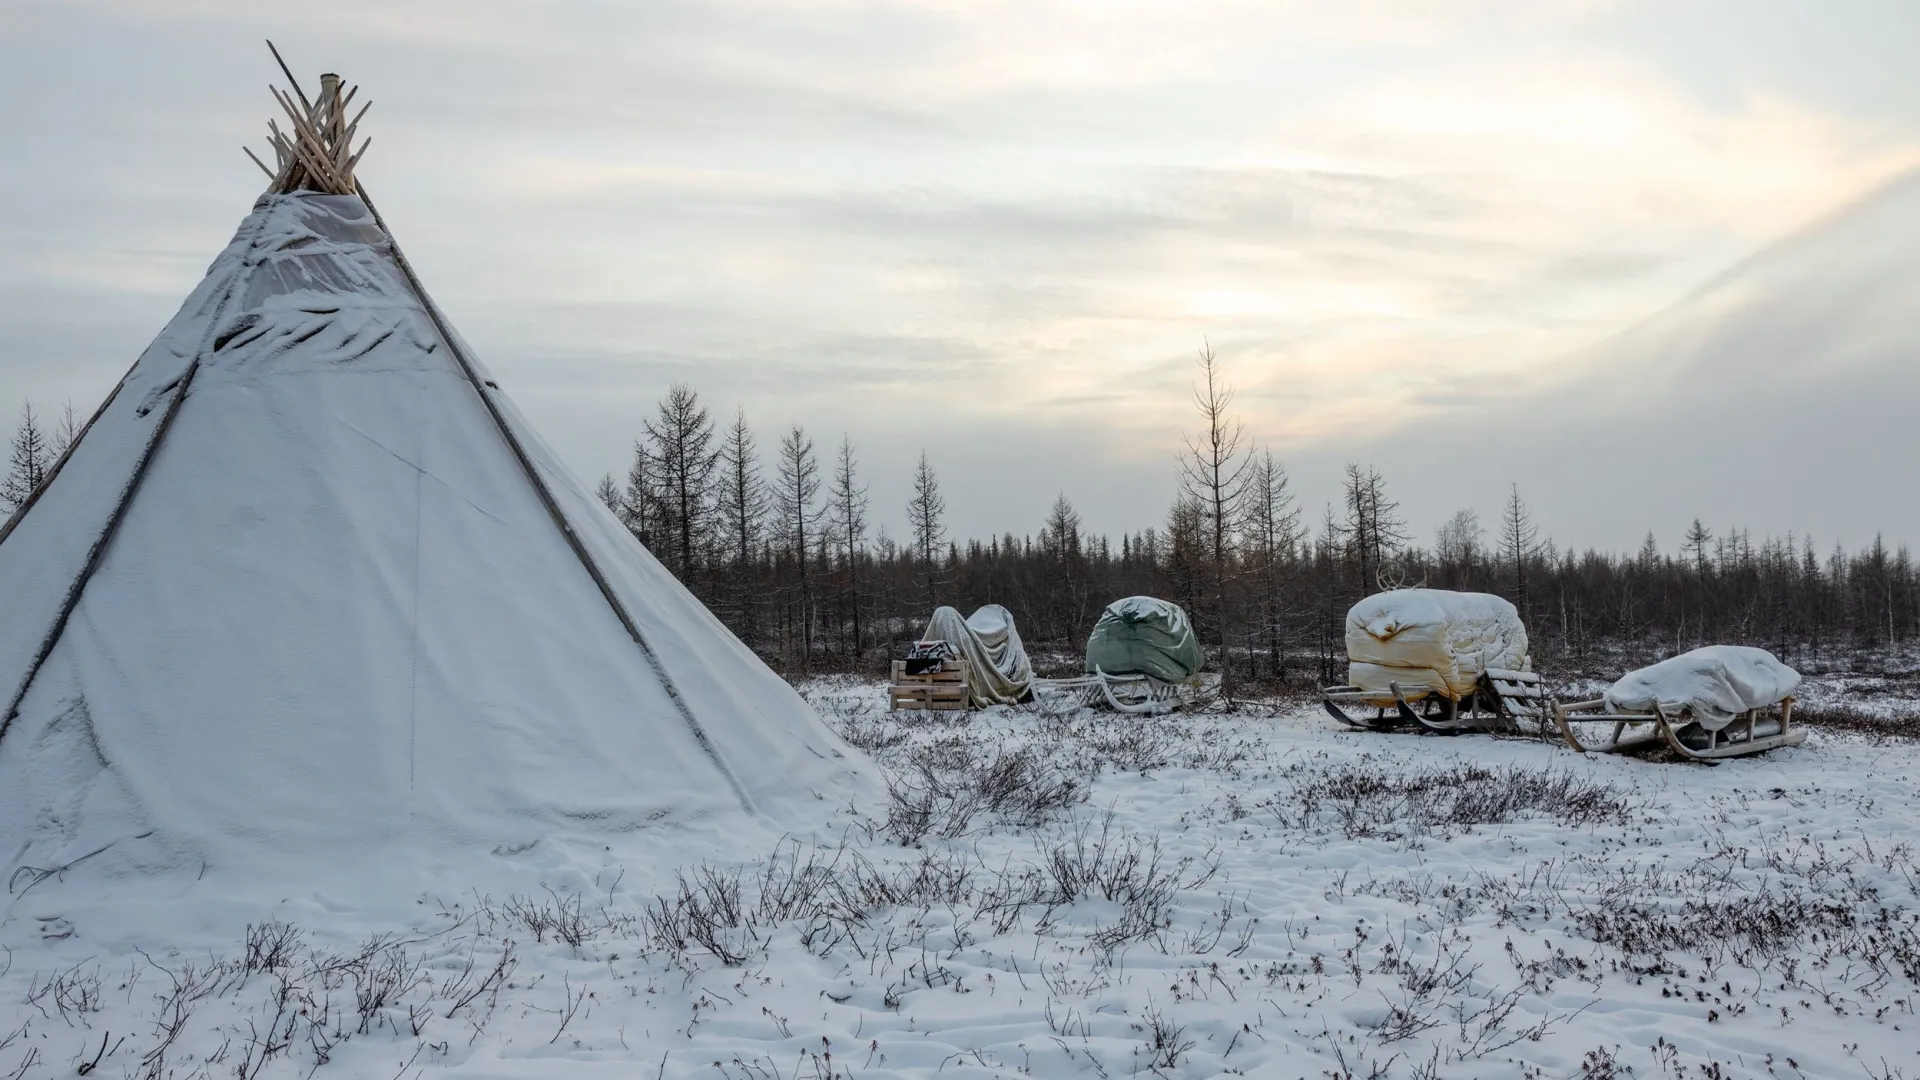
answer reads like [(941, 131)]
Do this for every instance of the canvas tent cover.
[(1714, 684), (988, 641), (1142, 635), (336, 614), (1432, 639)]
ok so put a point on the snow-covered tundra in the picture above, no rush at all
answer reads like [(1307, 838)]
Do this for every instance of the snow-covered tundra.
[(1054, 892)]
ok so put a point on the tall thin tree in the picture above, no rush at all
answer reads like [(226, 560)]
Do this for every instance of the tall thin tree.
[(1064, 585), (1456, 546), (743, 509), (608, 493), (66, 431), (1272, 531), (638, 502), (795, 493), (1519, 543), (1215, 471), (28, 460), (925, 513), (848, 498), (1374, 531), (682, 451)]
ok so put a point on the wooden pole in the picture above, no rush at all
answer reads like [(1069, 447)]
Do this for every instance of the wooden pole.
[(316, 152), (257, 161)]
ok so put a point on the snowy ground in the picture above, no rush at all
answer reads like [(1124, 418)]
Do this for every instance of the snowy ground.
[(1055, 892)]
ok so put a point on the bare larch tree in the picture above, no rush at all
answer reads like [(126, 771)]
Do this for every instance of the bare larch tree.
[(924, 516), (1519, 544), (28, 460), (1215, 471), (847, 499), (795, 489), (1271, 531), (743, 509), (638, 504), (1374, 531), (681, 450)]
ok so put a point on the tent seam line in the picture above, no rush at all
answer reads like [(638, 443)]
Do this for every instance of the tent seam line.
[(554, 512), (413, 667)]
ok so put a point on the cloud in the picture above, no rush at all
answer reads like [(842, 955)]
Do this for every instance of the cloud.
[(1382, 214), (1779, 396)]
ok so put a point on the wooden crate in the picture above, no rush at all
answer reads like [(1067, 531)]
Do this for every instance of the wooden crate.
[(945, 689)]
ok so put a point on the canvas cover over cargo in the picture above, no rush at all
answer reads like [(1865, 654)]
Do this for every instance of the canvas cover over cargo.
[(1000, 672), (1142, 635), (1714, 684), (1432, 640), (1719, 701)]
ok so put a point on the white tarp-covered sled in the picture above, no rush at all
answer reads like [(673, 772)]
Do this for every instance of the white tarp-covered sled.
[(1461, 657), (1714, 702), (998, 672)]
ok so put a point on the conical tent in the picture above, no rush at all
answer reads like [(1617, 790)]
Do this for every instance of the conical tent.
[(308, 581)]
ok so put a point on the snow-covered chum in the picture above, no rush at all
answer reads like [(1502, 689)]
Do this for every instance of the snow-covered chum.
[(340, 603), (1714, 684), (1432, 639)]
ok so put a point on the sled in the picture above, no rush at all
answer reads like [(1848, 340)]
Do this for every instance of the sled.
[(1142, 695), (1753, 732), (1502, 700), (1391, 711)]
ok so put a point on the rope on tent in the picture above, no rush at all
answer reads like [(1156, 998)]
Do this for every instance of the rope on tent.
[(99, 550), (553, 511)]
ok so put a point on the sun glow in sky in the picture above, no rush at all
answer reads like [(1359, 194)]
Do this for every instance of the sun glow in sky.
[(1000, 231)]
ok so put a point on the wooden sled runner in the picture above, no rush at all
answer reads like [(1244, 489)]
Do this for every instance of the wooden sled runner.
[(1511, 702), (1752, 732)]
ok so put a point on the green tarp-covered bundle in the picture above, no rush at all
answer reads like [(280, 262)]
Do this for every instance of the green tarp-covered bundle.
[(1142, 635)]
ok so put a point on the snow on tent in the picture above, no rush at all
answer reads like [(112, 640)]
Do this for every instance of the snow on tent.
[(999, 673), (1441, 649), (1716, 701), (1140, 650), (308, 585)]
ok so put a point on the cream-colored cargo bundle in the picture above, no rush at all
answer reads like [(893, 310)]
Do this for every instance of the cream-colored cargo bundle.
[(1447, 649), (1432, 639)]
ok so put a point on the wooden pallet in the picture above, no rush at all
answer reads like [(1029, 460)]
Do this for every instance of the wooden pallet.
[(1520, 697), (946, 689)]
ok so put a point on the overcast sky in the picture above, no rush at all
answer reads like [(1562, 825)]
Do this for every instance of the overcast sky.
[(1650, 260)]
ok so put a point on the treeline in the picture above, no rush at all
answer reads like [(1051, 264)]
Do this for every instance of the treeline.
[(777, 541), (782, 551)]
